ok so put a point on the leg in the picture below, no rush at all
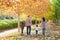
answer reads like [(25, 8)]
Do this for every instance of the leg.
[(21, 31), (29, 30), (36, 31), (44, 31)]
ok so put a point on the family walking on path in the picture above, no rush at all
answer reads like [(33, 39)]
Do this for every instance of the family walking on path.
[(29, 23)]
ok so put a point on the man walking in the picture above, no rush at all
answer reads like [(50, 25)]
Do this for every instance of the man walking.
[(28, 24)]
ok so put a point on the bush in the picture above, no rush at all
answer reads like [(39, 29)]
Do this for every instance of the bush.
[(22, 23), (33, 21), (8, 24)]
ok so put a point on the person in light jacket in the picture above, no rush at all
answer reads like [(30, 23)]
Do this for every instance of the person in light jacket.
[(43, 26)]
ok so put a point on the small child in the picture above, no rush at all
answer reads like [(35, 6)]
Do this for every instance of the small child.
[(37, 29), (22, 28)]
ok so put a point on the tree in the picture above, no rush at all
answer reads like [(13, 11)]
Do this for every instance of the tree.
[(34, 8), (56, 6)]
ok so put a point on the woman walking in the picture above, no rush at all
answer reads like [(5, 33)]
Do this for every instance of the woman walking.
[(44, 26)]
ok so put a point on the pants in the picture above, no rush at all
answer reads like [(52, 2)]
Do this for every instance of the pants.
[(28, 30), (36, 31), (22, 29), (44, 30)]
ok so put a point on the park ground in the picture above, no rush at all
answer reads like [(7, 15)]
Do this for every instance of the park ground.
[(52, 33)]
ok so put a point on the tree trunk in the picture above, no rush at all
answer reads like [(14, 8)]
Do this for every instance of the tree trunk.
[(18, 23)]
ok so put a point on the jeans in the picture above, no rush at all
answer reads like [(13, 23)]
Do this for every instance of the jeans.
[(36, 31), (22, 29), (44, 30), (28, 30)]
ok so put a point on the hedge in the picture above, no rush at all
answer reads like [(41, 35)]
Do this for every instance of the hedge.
[(8, 24)]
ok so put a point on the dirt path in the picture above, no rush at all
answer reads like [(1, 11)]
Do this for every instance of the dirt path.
[(10, 33)]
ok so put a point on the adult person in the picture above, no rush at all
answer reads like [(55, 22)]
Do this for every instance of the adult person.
[(43, 26), (28, 24)]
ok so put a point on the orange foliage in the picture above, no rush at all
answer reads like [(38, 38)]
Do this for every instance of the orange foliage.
[(34, 7)]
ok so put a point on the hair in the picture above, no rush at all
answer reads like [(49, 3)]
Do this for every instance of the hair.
[(36, 25), (28, 15), (43, 19)]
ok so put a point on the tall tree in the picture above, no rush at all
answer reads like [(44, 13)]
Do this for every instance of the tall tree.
[(56, 6), (29, 7)]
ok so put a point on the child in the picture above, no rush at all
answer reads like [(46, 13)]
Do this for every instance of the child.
[(22, 28), (36, 29)]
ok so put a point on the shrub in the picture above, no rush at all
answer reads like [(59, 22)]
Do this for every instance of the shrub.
[(22, 23), (8, 24), (33, 21)]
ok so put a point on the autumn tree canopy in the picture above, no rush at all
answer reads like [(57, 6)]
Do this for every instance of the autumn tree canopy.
[(29, 7)]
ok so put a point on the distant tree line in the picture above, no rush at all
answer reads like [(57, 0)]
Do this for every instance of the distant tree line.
[(5, 17)]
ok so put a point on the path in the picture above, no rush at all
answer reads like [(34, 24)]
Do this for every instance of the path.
[(6, 35), (14, 32)]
